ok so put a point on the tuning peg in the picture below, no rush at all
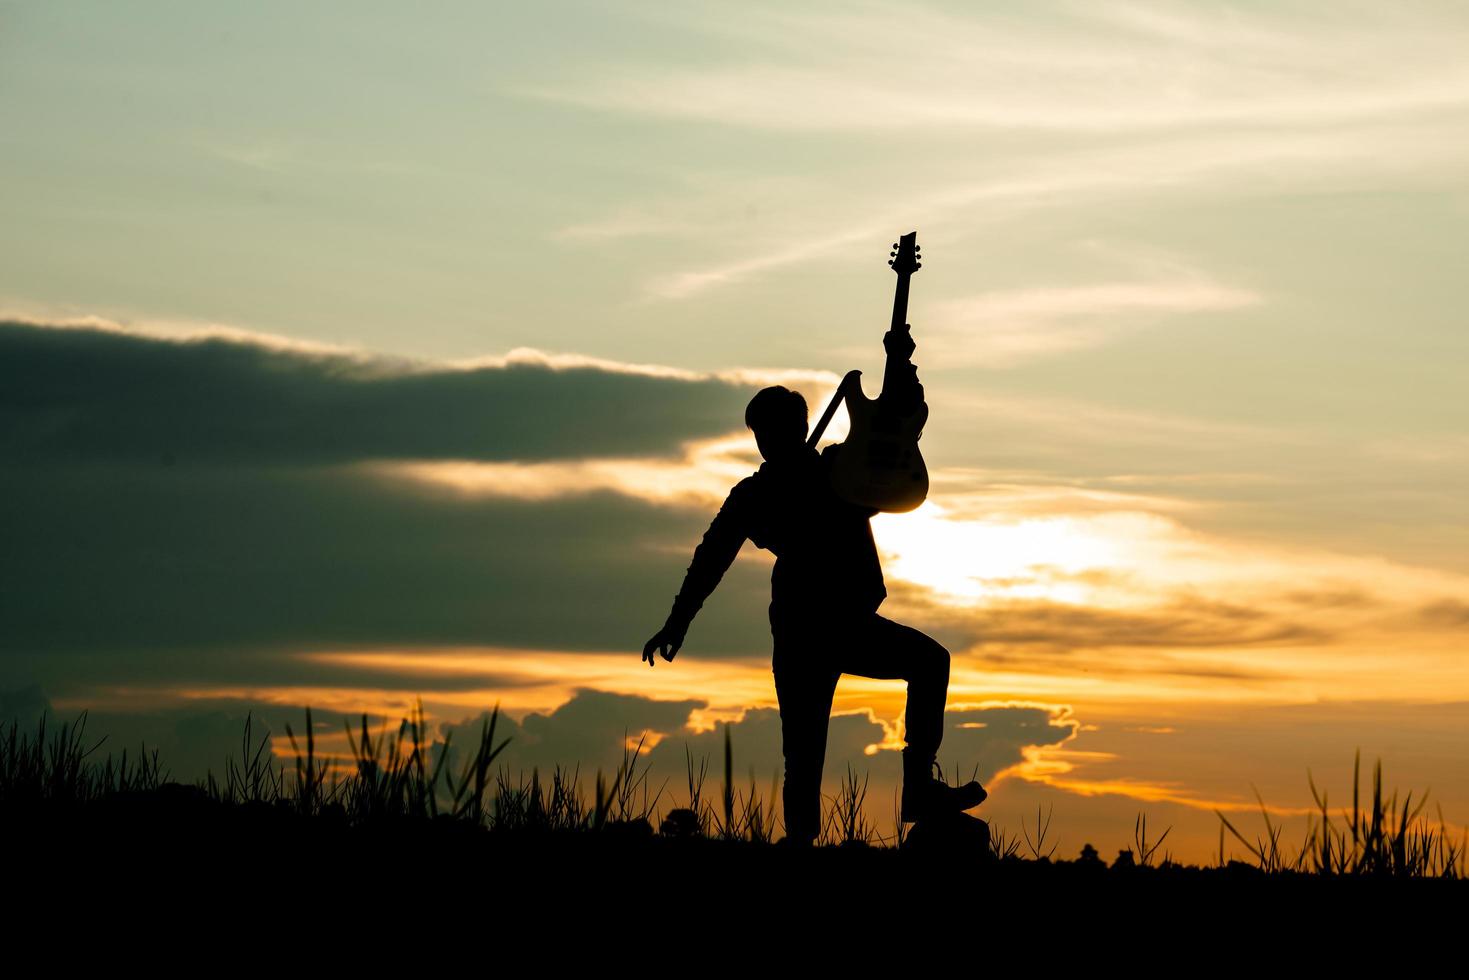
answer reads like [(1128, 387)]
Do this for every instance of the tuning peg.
[(917, 266), (895, 244), (890, 261)]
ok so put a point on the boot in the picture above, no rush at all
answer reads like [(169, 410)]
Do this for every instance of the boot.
[(925, 797)]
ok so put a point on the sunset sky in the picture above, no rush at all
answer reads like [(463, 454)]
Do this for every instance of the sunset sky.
[(356, 352)]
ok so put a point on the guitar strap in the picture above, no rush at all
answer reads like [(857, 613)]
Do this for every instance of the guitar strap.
[(851, 378)]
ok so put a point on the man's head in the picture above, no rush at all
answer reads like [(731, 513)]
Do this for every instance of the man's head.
[(777, 416)]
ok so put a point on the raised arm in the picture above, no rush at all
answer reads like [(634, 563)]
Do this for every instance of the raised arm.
[(900, 386), (712, 558)]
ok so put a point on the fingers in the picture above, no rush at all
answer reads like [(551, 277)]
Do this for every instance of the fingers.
[(666, 647)]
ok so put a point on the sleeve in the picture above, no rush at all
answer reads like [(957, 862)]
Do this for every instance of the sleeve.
[(712, 558), (900, 385)]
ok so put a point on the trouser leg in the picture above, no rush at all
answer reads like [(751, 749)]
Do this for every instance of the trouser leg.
[(881, 648), (805, 695)]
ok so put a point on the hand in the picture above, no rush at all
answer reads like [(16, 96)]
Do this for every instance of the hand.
[(900, 344), (666, 641)]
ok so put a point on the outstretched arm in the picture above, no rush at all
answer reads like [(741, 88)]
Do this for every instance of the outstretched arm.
[(712, 558)]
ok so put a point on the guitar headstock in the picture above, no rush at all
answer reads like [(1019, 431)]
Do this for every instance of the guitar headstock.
[(905, 257)]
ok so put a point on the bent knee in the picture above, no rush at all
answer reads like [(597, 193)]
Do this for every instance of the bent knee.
[(938, 657)]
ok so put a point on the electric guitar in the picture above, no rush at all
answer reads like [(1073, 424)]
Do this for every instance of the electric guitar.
[(879, 465)]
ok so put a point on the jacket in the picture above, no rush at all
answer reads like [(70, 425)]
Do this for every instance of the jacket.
[(826, 561)]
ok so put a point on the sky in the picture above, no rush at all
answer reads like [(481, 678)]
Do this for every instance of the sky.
[(354, 353)]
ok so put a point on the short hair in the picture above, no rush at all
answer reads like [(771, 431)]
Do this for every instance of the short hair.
[(776, 408)]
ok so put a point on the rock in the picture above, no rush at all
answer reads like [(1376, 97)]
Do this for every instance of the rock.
[(680, 822), (957, 836), (636, 827)]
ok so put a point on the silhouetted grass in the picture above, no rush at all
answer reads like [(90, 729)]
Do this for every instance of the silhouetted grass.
[(845, 822), (742, 816), (1387, 839), (401, 775), (53, 768), (1003, 845), (698, 806), (1037, 847)]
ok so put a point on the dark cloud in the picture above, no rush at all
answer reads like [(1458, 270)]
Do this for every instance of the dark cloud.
[(173, 513), (1041, 624), (129, 559), (1445, 614), (991, 738), (1343, 598), (24, 706), (756, 743), (1135, 664), (589, 729), (93, 395)]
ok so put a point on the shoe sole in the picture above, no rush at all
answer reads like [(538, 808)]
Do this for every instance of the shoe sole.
[(944, 809)]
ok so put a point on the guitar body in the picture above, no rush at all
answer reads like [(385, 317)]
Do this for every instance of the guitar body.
[(879, 465)]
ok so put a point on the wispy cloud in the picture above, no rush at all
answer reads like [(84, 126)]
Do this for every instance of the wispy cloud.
[(1065, 67), (1007, 327), (187, 331), (1022, 183), (701, 477), (269, 157), (1057, 767), (180, 330), (1004, 116), (1109, 426)]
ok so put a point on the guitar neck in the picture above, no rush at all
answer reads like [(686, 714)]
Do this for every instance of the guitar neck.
[(900, 303), (904, 263), (892, 370)]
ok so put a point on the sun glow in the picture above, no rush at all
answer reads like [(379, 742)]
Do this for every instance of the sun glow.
[(1058, 558)]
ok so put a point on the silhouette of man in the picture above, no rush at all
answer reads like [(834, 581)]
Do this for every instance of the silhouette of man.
[(825, 590)]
